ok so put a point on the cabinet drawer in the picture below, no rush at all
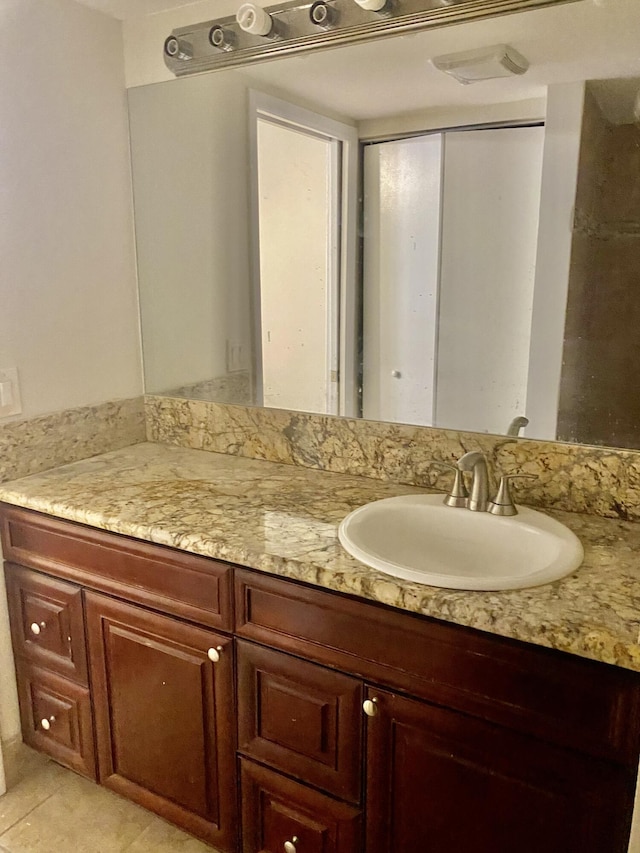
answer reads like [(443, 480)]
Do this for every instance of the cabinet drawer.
[(195, 588), (47, 624), (276, 810), (301, 718), (56, 718), (562, 698)]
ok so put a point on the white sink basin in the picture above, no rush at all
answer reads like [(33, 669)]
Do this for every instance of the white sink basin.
[(418, 538)]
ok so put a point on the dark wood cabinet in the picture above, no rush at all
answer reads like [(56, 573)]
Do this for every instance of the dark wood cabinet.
[(230, 702), (501, 747), (162, 693), (555, 696), (440, 781)]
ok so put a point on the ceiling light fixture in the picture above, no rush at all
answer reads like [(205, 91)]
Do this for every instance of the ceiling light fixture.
[(256, 33), (488, 63)]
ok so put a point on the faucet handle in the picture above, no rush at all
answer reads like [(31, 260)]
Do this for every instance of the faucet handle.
[(458, 495), (503, 503)]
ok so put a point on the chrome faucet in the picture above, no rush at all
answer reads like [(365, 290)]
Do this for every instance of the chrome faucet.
[(475, 461), (517, 424)]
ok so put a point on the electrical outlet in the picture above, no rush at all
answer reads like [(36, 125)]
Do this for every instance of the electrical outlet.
[(235, 356), (10, 403)]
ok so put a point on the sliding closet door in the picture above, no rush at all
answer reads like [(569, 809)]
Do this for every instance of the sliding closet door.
[(402, 189), (490, 211)]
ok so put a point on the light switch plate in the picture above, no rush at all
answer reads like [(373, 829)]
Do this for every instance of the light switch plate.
[(10, 402)]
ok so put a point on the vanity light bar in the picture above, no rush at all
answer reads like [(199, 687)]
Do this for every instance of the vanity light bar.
[(258, 33)]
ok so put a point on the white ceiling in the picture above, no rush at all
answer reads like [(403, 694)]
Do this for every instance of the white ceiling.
[(566, 43), (124, 9)]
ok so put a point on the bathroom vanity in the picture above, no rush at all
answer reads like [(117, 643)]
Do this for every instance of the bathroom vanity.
[(263, 713)]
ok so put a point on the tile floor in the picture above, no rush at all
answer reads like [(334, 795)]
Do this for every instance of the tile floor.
[(48, 809)]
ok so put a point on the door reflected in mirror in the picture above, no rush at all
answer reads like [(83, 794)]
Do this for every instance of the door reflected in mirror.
[(303, 185), (450, 236)]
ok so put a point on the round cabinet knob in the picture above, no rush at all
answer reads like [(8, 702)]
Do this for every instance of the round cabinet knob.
[(46, 723), (370, 707), (290, 846), (214, 654), (37, 628)]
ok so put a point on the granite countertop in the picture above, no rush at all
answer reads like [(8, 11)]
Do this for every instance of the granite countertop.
[(283, 520)]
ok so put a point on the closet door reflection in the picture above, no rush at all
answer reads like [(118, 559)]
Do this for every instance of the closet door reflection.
[(402, 220), (491, 209), (449, 266)]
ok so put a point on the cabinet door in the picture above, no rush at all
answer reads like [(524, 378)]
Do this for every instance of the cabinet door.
[(164, 716), (439, 781)]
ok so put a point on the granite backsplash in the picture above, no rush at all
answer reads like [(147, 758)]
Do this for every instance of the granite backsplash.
[(33, 445), (576, 478)]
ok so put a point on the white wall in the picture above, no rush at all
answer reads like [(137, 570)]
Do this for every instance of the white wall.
[(68, 303), (189, 148), (68, 318)]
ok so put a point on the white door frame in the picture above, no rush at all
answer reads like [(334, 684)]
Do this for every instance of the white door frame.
[(342, 333)]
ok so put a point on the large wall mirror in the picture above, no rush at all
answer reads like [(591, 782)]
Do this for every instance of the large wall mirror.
[(353, 232)]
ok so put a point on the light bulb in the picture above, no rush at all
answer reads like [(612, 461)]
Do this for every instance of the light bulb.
[(253, 19)]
